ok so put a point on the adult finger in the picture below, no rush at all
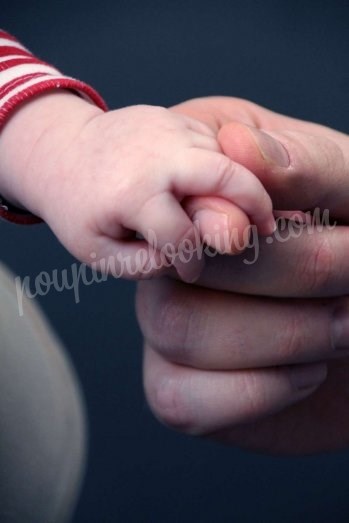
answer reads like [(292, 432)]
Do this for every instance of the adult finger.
[(200, 401), (309, 261), (214, 330)]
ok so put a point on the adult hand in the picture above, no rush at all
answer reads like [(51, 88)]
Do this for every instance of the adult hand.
[(249, 366)]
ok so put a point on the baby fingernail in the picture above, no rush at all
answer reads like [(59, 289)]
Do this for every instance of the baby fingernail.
[(190, 267), (271, 149), (271, 225), (340, 329), (211, 221), (308, 376)]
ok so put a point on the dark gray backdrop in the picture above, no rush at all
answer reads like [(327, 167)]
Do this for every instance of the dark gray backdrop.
[(289, 56)]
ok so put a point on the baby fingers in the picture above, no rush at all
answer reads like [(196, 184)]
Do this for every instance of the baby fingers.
[(207, 173)]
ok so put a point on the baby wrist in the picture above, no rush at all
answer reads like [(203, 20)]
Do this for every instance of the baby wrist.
[(24, 77)]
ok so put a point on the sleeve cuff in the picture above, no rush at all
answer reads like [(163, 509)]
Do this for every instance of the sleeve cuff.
[(22, 77)]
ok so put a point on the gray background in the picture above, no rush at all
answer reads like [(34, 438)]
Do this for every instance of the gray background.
[(291, 57)]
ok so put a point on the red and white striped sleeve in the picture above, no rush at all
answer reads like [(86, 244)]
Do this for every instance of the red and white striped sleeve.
[(23, 76)]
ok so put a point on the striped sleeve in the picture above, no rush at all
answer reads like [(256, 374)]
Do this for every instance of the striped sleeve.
[(23, 76)]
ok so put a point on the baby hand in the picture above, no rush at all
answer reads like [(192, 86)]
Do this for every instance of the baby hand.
[(111, 175)]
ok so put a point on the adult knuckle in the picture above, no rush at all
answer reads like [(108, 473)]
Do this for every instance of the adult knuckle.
[(289, 343), (173, 329), (317, 267), (255, 398), (166, 324), (322, 160), (333, 159)]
